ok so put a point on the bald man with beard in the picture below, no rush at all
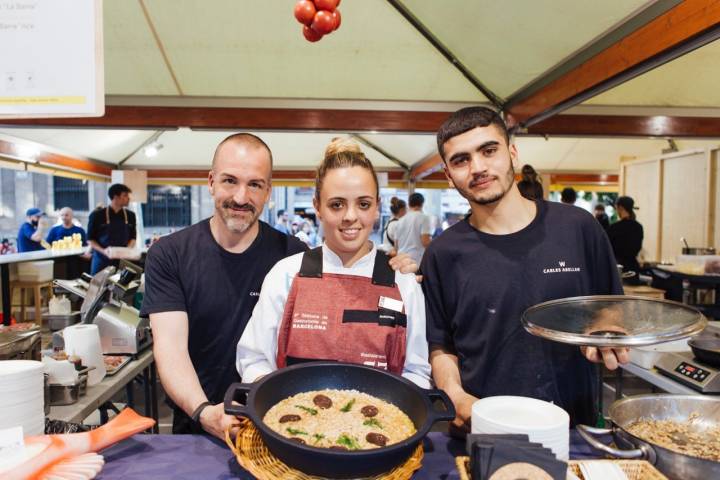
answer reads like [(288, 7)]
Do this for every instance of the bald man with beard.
[(203, 282)]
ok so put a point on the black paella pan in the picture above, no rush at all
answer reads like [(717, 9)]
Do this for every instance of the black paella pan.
[(417, 403)]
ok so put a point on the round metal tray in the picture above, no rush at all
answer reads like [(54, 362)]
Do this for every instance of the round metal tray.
[(613, 321)]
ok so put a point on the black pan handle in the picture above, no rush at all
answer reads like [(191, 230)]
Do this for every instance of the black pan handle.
[(231, 395), (440, 415)]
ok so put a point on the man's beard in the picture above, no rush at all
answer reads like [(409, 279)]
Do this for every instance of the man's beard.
[(234, 224), (481, 200)]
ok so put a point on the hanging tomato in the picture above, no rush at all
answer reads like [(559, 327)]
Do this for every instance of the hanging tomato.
[(329, 5), (337, 19), (319, 17), (310, 34), (305, 12), (323, 22)]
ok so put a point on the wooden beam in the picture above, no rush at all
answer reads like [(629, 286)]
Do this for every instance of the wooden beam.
[(584, 178), (602, 126), (196, 174), (45, 157), (427, 167), (627, 126), (634, 54), (251, 119)]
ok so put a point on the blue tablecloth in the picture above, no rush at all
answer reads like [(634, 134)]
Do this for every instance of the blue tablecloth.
[(201, 457)]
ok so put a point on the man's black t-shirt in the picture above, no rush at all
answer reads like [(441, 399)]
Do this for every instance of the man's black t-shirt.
[(188, 271), (626, 238), (477, 286)]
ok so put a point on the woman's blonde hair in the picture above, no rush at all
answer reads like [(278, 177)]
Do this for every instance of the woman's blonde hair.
[(343, 153)]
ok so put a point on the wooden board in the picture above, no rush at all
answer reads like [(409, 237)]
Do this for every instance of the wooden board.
[(714, 216), (684, 203), (641, 181)]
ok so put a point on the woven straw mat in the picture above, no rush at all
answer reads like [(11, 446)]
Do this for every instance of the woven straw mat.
[(253, 456)]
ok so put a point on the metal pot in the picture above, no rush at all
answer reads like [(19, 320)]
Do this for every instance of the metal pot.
[(416, 402), (706, 350), (698, 251), (625, 412)]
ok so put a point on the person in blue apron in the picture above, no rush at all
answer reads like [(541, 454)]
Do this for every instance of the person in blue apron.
[(340, 301), (112, 226)]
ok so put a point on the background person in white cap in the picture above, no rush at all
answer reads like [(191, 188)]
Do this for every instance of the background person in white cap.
[(30, 233)]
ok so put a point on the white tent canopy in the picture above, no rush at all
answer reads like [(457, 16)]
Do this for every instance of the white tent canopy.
[(436, 56)]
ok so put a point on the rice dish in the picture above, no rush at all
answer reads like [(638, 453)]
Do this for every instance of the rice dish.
[(680, 437), (339, 420)]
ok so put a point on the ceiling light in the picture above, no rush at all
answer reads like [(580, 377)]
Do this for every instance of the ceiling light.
[(26, 152), (152, 149)]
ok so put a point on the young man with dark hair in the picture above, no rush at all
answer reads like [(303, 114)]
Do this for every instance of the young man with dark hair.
[(483, 272), (112, 226)]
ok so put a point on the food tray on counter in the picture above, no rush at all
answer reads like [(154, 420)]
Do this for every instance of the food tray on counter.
[(114, 363), (253, 456), (633, 469)]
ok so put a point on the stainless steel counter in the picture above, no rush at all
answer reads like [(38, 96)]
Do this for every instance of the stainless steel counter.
[(40, 255), (98, 394)]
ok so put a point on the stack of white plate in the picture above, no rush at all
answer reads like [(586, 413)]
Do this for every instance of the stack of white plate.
[(21, 396), (543, 422)]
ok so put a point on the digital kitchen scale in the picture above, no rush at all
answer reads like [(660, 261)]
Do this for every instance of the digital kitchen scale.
[(686, 369)]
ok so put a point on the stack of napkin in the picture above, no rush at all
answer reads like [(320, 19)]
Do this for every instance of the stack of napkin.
[(512, 455)]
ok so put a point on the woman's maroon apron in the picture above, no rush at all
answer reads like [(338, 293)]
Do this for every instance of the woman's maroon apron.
[(345, 318)]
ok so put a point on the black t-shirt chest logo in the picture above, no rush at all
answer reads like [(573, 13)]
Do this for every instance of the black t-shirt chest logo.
[(562, 266)]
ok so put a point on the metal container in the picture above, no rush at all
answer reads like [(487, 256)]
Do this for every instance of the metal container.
[(625, 412), (414, 401), (58, 322), (83, 379), (64, 394), (20, 345), (69, 394), (46, 392)]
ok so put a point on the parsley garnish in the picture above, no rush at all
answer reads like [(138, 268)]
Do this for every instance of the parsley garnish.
[(348, 442), (371, 422), (311, 411), (348, 406), (318, 437), (293, 431)]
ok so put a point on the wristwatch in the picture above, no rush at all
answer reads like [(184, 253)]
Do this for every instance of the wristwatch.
[(196, 414)]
